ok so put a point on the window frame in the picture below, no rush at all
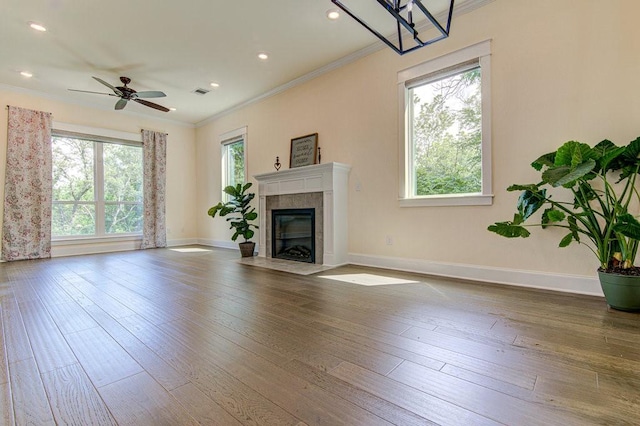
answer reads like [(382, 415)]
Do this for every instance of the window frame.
[(423, 73), (99, 137), (226, 140)]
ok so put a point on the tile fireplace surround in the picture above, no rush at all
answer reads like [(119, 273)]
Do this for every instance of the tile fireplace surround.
[(298, 188)]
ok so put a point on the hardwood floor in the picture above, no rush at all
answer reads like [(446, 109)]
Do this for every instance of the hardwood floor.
[(162, 337)]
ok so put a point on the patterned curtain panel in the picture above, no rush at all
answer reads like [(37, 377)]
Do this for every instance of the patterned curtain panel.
[(26, 229), (154, 231)]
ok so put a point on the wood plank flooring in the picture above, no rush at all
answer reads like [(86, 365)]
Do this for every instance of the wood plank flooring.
[(163, 337)]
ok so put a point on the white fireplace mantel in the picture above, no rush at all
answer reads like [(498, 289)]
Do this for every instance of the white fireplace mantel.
[(332, 180)]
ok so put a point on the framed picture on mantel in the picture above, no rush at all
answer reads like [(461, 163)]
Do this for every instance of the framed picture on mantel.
[(304, 151)]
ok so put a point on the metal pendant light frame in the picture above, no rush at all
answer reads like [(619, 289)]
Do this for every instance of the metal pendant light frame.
[(395, 8)]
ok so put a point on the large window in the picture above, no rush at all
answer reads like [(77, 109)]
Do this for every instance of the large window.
[(233, 158), (97, 186), (446, 132)]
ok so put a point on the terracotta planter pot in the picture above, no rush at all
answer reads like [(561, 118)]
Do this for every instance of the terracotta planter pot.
[(246, 249), (622, 292)]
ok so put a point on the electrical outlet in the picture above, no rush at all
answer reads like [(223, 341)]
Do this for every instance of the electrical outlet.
[(358, 186), (389, 240)]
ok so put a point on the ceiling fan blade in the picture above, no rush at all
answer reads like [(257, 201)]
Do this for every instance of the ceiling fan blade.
[(152, 105), (121, 103), (116, 91), (150, 94), (97, 93)]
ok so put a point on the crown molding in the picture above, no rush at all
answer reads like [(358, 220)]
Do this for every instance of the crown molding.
[(460, 8)]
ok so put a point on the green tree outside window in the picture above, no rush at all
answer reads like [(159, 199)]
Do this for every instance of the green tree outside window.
[(447, 135)]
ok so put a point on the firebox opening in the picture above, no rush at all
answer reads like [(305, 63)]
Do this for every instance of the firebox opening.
[(293, 234)]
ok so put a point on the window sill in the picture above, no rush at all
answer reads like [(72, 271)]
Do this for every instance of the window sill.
[(448, 201), (64, 241)]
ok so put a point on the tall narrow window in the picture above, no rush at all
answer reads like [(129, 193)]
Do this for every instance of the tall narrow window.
[(446, 138), (234, 158), (122, 188), (97, 187), (74, 201), (446, 134)]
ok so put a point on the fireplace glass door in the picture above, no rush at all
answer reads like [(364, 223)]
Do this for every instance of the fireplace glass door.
[(293, 234)]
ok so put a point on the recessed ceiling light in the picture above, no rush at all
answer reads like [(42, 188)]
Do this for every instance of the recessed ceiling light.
[(26, 74), (263, 56), (216, 85), (37, 26), (333, 14), (172, 109)]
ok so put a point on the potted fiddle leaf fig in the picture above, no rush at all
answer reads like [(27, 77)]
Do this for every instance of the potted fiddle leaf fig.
[(592, 193), (240, 215)]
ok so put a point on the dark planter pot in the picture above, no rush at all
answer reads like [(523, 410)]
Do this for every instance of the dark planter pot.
[(622, 292), (246, 248)]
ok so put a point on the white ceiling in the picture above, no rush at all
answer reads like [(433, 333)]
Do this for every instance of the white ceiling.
[(176, 47)]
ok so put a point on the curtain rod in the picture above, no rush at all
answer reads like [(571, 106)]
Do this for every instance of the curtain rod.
[(142, 130), (8, 106)]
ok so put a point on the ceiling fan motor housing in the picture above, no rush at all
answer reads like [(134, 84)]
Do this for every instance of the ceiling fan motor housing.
[(127, 93)]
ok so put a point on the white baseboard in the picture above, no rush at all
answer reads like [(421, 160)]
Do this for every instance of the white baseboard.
[(182, 242), (541, 280), (217, 243), (222, 244)]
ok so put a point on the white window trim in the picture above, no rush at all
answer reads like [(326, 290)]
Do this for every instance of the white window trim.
[(75, 240), (229, 138), (482, 52), (133, 139)]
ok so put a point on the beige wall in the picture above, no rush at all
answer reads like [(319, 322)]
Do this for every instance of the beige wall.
[(561, 70), (181, 185)]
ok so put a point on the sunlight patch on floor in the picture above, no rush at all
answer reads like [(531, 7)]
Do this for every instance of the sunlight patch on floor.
[(367, 279), (190, 250)]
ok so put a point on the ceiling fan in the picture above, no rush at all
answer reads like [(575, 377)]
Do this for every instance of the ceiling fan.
[(127, 94)]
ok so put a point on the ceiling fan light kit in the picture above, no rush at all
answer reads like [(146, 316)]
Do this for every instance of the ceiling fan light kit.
[(127, 94), (412, 20)]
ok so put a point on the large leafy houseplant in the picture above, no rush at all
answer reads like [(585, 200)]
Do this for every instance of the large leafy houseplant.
[(240, 213), (602, 209)]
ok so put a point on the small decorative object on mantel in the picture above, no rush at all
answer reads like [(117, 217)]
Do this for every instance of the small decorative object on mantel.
[(277, 164), (319, 156), (304, 151)]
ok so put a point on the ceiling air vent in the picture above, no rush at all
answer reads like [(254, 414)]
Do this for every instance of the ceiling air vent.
[(200, 91)]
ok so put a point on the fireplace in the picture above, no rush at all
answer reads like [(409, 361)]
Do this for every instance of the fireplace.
[(322, 187), (293, 234), (296, 203)]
